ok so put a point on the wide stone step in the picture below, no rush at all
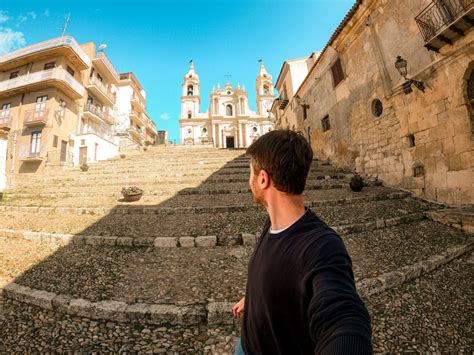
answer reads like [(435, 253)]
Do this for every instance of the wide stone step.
[(227, 225), (173, 203), (196, 275)]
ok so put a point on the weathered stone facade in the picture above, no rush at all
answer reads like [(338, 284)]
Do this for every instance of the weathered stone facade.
[(421, 141)]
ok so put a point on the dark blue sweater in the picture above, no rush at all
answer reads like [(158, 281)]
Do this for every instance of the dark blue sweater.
[(301, 297)]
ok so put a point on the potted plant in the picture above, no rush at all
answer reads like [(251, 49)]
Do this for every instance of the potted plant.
[(84, 167), (122, 156), (132, 193)]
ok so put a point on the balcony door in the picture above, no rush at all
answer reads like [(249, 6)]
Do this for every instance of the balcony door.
[(5, 112), (40, 107), (35, 145)]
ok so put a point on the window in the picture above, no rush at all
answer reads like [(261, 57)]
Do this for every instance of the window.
[(337, 72), (83, 142), (254, 129), (470, 89), (49, 65), (40, 106), (70, 70), (35, 144), (5, 112), (190, 114), (411, 140), (266, 89), (326, 125), (55, 141), (62, 108), (228, 110), (377, 108), (190, 90), (98, 77), (14, 74), (204, 130)]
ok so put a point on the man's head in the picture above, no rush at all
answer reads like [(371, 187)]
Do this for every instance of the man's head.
[(280, 159)]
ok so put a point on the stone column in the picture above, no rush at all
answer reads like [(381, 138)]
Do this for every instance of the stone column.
[(214, 143), (241, 143), (219, 134)]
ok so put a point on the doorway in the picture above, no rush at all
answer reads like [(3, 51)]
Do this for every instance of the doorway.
[(230, 142), (82, 155), (63, 157)]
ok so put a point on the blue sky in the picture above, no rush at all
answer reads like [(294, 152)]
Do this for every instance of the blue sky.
[(156, 39)]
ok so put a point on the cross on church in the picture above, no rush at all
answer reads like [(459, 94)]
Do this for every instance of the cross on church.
[(227, 77)]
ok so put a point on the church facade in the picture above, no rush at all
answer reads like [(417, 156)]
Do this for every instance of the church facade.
[(229, 122)]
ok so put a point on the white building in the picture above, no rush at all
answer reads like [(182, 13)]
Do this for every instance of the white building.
[(229, 122)]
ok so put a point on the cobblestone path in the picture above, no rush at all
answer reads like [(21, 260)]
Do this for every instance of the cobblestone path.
[(83, 271)]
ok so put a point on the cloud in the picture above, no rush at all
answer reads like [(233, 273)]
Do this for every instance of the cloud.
[(46, 13), (4, 16), (165, 116), (21, 18), (10, 40), (32, 14)]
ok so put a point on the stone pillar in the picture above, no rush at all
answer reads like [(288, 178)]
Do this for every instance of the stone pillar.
[(219, 136), (244, 135), (214, 143), (241, 143)]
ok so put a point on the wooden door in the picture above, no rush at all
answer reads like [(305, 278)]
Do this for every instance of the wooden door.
[(82, 155)]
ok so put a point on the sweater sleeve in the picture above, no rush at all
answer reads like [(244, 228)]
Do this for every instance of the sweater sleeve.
[(338, 319)]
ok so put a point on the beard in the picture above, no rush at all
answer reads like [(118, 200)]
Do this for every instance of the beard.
[(257, 195)]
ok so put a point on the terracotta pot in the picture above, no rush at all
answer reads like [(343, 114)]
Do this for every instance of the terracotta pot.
[(133, 197)]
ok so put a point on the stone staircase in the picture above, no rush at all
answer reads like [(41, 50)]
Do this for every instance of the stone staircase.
[(81, 269)]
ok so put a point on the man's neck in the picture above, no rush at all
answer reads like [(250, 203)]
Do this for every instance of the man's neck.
[(284, 210)]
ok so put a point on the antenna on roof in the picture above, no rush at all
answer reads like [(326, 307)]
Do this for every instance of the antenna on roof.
[(102, 47), (65, 24)]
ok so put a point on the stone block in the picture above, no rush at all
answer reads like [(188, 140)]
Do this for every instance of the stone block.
[(60, 303), (220, 313), (165, 242), (79, 307), (187, 242), (109, 310), (92, 240), (206, 241), (164, 314), (124, 241), (138, 312), (391, 279), (369, 287), (33, 236), (79, 240), (380, 223), (17, 292), (412, 271), (143, 242), (42, 299), (248, 239), (194, 314), (108, 240)]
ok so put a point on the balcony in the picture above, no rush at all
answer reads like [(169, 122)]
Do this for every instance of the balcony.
[(283, 102), (136, 117), (102, 62), (56, 77), (36, 117), (5, 121), (135, 133), (65, 45), (138, 104), (443, 22), (101, 131), (99, 90), (32, 153)]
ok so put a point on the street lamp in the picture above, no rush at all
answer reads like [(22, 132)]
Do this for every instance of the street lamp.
[(401, 65)]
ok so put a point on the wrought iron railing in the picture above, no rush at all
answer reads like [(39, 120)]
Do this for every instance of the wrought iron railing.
[(102, 88), (96, 110), (441, 14), (102, 131)]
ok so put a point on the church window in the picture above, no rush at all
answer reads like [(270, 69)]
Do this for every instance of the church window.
[(189, 114), (228, 92), (228, 110), (204, 130), (190, 90), (325, 124), (266, 89), (254, 130)]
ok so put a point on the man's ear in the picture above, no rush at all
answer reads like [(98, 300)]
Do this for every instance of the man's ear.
[(263, 179)]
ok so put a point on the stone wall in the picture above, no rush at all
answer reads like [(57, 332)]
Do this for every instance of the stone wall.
[(440, 164)]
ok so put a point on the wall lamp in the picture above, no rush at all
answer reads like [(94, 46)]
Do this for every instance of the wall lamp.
[(401, 65)]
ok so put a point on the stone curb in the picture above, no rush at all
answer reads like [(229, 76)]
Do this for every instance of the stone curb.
[(213, 313), (244, 239), (151, 210)]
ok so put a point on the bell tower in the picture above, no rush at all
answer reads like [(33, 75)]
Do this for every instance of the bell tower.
[(190, 97), (265, 91)]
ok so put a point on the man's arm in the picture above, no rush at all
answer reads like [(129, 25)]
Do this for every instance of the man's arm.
[(338, 319)]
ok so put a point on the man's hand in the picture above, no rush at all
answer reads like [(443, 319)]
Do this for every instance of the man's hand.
[(238, 308)]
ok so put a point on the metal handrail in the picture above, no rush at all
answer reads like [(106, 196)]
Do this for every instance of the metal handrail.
[(439, 15), (100, 85), (108, 63), (51, 43), (94, 109)]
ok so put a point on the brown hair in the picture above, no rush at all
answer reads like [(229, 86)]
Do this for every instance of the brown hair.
[(286, 156)]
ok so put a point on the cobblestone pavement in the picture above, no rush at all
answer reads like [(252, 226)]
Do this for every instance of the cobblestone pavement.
[(383, 230)]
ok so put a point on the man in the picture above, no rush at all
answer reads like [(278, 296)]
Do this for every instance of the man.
[(300, 296)]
